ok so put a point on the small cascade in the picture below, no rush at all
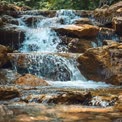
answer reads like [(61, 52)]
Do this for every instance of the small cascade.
[(40, 40), (107, 36), (50, 67), (68, 16), (41, 37)]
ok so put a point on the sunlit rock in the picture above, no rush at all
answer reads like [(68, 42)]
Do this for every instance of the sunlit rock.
[(78, 30), (103, 64), (30, 80)]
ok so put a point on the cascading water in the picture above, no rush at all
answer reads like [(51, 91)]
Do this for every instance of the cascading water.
[(42, 43)]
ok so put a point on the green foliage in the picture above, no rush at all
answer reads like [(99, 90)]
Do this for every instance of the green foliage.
[(58, 4)]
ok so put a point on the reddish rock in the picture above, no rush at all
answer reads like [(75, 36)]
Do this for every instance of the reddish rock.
[(31, 80), (103, 64), (78, 30)]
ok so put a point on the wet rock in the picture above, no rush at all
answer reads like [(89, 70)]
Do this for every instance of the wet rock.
[(83, 21), (7, 93), (3, 55), (9, 19), (45, 13), (30, 80), (8, 76), (32, 20), (62, 97), (71, 98), (109, 42), (10, 9), (78, 30), (117, 25), (103, 64), (4, 111), (11, 35), (79, 45)]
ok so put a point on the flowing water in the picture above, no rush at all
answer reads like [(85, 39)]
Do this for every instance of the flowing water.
[(41, 38)]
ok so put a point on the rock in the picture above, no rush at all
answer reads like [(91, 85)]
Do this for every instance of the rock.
[(9, 9), (9, 19), (31, 80), (7, 93), (103, 64), (12, 36), (109, 42), (117, 25), (107, 34), (1, 22), (104, 16), (79, 45), (83, 13), (4, 111), (8, 76), (61, 97), (83, 21), (71, 98), (3, 55), (32, 20), (45, 13), (78, 30)]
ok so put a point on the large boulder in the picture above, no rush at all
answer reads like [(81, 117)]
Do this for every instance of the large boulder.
[(117, 25), (79, 31), (3, 55), (103, 64), (30, 80), (11, 35)]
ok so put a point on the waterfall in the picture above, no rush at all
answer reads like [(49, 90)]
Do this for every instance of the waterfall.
[(42, 48)]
